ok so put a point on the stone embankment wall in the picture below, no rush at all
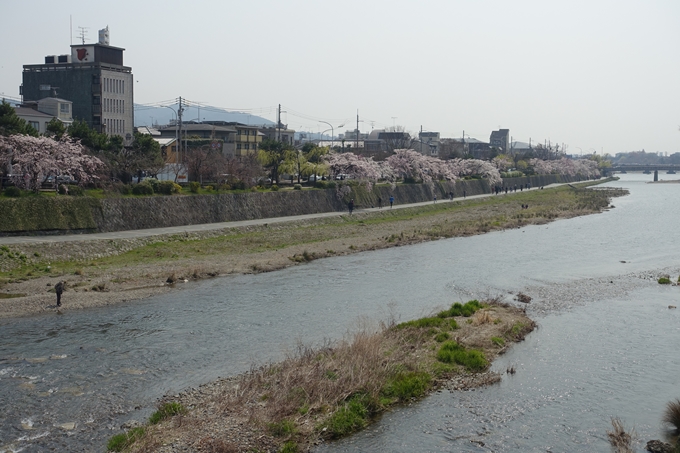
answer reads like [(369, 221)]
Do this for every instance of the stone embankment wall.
[(62, 215)]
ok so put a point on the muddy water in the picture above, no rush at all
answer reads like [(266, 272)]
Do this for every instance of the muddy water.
[(605, 346)]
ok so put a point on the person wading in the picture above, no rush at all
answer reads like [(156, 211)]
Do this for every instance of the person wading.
[(59, 288)]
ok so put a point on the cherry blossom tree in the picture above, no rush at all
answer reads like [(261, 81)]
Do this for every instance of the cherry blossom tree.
[(411, 164), (32, 159), (357, 167), (564, 166), (476, 167)]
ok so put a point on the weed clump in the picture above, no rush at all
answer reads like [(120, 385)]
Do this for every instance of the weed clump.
[(121, 441), (664, 281), (621, 440), (167, 410), (405, 386), (472, 359)]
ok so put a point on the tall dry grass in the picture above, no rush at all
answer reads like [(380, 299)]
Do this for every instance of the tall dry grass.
[(672, 414), (312, 381), (621, 440)]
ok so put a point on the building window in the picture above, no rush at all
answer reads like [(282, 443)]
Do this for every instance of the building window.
[(238, 146), (35, 125), (246, 146)]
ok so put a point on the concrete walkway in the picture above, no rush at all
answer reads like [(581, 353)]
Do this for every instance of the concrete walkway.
[(215, 226)]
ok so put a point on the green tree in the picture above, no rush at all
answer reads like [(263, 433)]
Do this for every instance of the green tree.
[(144, 155), (11, 124), (56, 128), (92, 139), (315, 157), (275, 156)]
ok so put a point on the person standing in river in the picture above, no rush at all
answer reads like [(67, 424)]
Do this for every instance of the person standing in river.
[(59, 288)]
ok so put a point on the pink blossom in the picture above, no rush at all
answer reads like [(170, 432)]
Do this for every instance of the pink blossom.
[(32, 159)]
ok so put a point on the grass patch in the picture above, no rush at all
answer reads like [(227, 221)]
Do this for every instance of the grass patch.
[(283, 428), (471, 359), (10, 296), (422, 323), (664, 281), (350, 417), (166, 411), (405, 386), (498, 341), (457, 309), (122, 441)]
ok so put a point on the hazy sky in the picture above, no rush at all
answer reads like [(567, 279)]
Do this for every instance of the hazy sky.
[(595, 75)]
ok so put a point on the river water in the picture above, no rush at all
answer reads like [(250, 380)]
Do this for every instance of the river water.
[(606, 344)]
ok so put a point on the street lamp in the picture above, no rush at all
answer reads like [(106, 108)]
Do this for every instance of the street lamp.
[(178, 148), (332, 130)]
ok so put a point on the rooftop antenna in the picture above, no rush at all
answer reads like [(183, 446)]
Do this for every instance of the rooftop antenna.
[(83, 33), (70, 24)]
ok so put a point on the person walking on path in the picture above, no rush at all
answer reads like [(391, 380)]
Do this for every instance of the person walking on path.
[(391, 201), (351, 206), (59, 288), (435, 198), (379, 203), (464, 194), (451, 195)]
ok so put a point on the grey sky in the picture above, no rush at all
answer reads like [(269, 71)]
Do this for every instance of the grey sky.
[(595, 75)]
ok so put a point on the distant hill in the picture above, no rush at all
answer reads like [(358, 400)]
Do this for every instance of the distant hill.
[(150, 116)]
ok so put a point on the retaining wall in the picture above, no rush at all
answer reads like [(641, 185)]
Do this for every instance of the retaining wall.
[(65, 215)]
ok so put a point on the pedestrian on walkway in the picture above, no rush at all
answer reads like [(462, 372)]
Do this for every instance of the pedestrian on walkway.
[(464, 194), (350, 205), (451, 195), (59, 288), (391, 201), (380, 202), (435, 198)]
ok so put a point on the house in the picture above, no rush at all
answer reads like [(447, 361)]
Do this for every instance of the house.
[(427, 144), (36, 119)]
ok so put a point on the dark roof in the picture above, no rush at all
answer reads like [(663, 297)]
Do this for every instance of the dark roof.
[(26, 111)]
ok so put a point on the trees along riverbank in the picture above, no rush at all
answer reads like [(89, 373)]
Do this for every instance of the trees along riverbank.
[(99, 273)]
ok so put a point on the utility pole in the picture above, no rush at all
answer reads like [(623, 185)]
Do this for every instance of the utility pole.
[(179, 143), (356, 143), (278, 124)]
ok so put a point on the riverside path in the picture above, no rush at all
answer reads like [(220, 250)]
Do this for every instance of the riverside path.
[(9, 240)]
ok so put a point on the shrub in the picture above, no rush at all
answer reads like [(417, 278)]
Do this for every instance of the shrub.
[(664, 281), (274, 188), (121, 441), (167, 410), (143, 188), (75, 191), (498, 341), (404, 386), (297, 187), (238, 185), (452, 352), (194, 186), (12, 191), (154, 184), (125, 189), (167, 187)]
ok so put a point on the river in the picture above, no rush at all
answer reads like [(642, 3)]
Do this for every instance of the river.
[(606, 344)]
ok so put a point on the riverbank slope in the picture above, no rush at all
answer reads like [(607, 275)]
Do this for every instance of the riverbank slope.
[(104, 272)]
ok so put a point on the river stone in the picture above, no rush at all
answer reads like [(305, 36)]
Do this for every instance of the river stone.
[(68, 426), (656, 446), (130, 424)]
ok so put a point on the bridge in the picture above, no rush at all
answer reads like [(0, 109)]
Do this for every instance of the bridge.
[(661, 168)]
